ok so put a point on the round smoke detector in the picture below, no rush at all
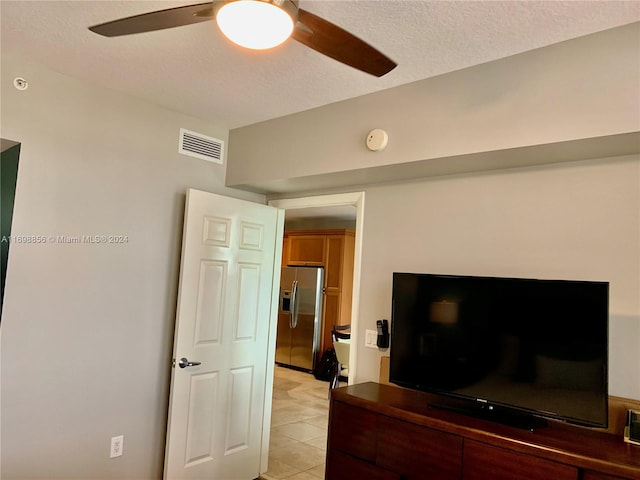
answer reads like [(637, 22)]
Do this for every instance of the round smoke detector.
[(20, 83), (377, 140)]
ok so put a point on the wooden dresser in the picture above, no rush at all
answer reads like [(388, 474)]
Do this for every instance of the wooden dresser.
[(380, 432)]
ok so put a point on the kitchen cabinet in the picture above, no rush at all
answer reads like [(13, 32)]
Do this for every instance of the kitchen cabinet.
[(285, 251), (306, 250), (386, 432)]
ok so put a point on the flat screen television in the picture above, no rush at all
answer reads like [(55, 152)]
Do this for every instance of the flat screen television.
[(503, 346)]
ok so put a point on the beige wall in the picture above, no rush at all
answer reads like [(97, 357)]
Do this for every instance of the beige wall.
[(320, 223), (568, 221), (579, 89), (565, 220), (87, 329)]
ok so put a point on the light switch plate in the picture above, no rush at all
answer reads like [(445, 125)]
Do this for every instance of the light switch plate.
[(371, 338)]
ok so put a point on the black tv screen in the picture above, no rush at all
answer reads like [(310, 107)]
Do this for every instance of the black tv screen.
[(538, 347)]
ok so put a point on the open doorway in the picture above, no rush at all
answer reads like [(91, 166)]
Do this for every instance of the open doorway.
[(9, 159), (304, 397), (337, 209)]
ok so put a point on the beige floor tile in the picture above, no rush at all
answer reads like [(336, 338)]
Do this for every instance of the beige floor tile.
[(299, 418), (308, 400), (318, 471), (303, 476), (277, 441), (318, 442), (279, 470), (300, 431), (299, 408), (321, 421), (292, 414), (299, 455), (283, 403)]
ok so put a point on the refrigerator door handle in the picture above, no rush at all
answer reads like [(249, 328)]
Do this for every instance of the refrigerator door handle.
[(291, 306), (294, 304)]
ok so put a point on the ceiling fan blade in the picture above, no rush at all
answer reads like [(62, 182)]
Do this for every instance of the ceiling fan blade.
[(159, 20), (331, 40)]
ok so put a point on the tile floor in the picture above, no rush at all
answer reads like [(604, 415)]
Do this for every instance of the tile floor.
[(299, 419)]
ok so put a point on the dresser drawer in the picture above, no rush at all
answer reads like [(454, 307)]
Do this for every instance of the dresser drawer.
[(418, 453), (344, 467), (483, 461), (353, 431)]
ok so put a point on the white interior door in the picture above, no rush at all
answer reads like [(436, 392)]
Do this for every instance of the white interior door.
[(216, 409)]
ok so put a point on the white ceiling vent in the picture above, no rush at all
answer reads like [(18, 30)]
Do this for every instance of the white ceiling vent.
[(200, 146)]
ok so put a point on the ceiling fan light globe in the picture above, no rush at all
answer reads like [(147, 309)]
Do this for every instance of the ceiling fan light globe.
[(254, 24)]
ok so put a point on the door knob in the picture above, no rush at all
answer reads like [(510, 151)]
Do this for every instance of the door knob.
[(184, 362)]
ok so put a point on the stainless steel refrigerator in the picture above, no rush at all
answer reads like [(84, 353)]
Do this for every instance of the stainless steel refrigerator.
[(299, 317)]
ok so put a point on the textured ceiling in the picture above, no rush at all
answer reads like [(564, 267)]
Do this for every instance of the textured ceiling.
[(194, 70)]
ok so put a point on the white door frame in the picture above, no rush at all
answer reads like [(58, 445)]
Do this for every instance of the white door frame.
[(271, 347), (357, 200)]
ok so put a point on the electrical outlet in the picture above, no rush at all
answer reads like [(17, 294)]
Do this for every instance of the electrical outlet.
[(117, 446)]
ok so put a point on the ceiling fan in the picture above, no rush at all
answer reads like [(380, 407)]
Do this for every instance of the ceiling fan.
[(261, 24)]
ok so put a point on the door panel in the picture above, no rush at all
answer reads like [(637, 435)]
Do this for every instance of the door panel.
[(213, 276), (240, 383), (304, 337), (283, 334), (287, 276), (302, 342), (249, 286), (216, 231), (223, 315), (202, 394), (283, 340)]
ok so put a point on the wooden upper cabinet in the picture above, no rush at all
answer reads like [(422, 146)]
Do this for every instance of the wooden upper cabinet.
[(346, 277), (334, 262), (285, 251), (306, 250), (331, 249)]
